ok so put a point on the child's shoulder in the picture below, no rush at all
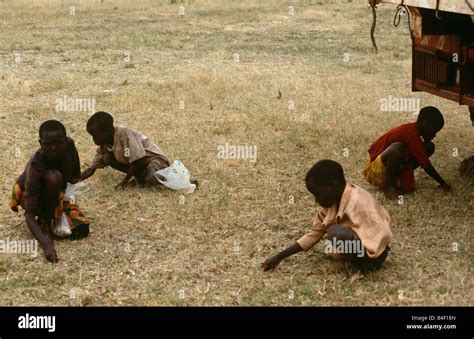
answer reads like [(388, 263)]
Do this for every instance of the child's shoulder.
[(362, 197), (70, 145), (360, 191), (123, 130), (70, 141), (403, 128), (404, 131), (37, 157), (37, 161), (408, 125), (126, 132), (365, 205)]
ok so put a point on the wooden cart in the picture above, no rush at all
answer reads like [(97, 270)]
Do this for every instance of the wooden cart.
[(442, 33)]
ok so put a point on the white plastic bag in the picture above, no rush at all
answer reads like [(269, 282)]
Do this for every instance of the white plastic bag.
[(176, 177), (61, 227), (73, 190)]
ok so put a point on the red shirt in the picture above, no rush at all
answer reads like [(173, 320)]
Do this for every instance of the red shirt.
[(410, 137)]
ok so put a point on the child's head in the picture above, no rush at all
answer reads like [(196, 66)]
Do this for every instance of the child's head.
[(325, 180), (52, 138), (430, 121), (101, 127)]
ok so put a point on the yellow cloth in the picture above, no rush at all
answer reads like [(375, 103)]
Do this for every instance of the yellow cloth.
[(360, 211), (74, 215), (375, 172)]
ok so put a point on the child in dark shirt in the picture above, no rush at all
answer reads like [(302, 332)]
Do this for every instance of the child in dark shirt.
[(40, 188)]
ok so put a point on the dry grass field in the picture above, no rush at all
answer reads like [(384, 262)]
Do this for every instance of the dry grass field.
[(197, 81)]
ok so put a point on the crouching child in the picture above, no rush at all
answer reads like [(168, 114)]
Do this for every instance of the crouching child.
[(397, 153), (356, 225), (39, 190), (125, 150)]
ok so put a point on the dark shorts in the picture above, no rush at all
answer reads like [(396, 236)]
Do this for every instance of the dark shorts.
[(367, 264), (364, 263), (80, 231), (144, 176)]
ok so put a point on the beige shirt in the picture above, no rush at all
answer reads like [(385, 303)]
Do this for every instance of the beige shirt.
[(129, 146), (358, 210)]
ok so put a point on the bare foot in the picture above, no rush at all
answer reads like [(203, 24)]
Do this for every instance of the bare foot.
[(195, 182), (133, 183), (391, 193)]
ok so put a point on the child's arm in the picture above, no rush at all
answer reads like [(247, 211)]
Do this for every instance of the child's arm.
[(87, 173), (124, 183), (76, 162), (311, 238), (97, 162), (417, 150), (37, 232), (273, 262), (432, 172)]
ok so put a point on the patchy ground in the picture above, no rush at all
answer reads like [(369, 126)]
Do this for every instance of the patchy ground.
[(195, 82)]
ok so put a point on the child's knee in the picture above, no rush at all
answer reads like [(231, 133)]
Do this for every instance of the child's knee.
[(151, 179), (53, 179), (397, 149), (339, 232), (394, 152), (150, 174)]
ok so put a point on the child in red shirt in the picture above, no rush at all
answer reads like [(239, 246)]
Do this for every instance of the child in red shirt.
[(397, 153)]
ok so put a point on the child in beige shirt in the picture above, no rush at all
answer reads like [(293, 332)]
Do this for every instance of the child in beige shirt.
[(125, 150), (357, 226)]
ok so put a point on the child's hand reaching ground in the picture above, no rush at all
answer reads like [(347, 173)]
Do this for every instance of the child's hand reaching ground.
[(122, 185), (50, 253), (271, 263), (446, 188)]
